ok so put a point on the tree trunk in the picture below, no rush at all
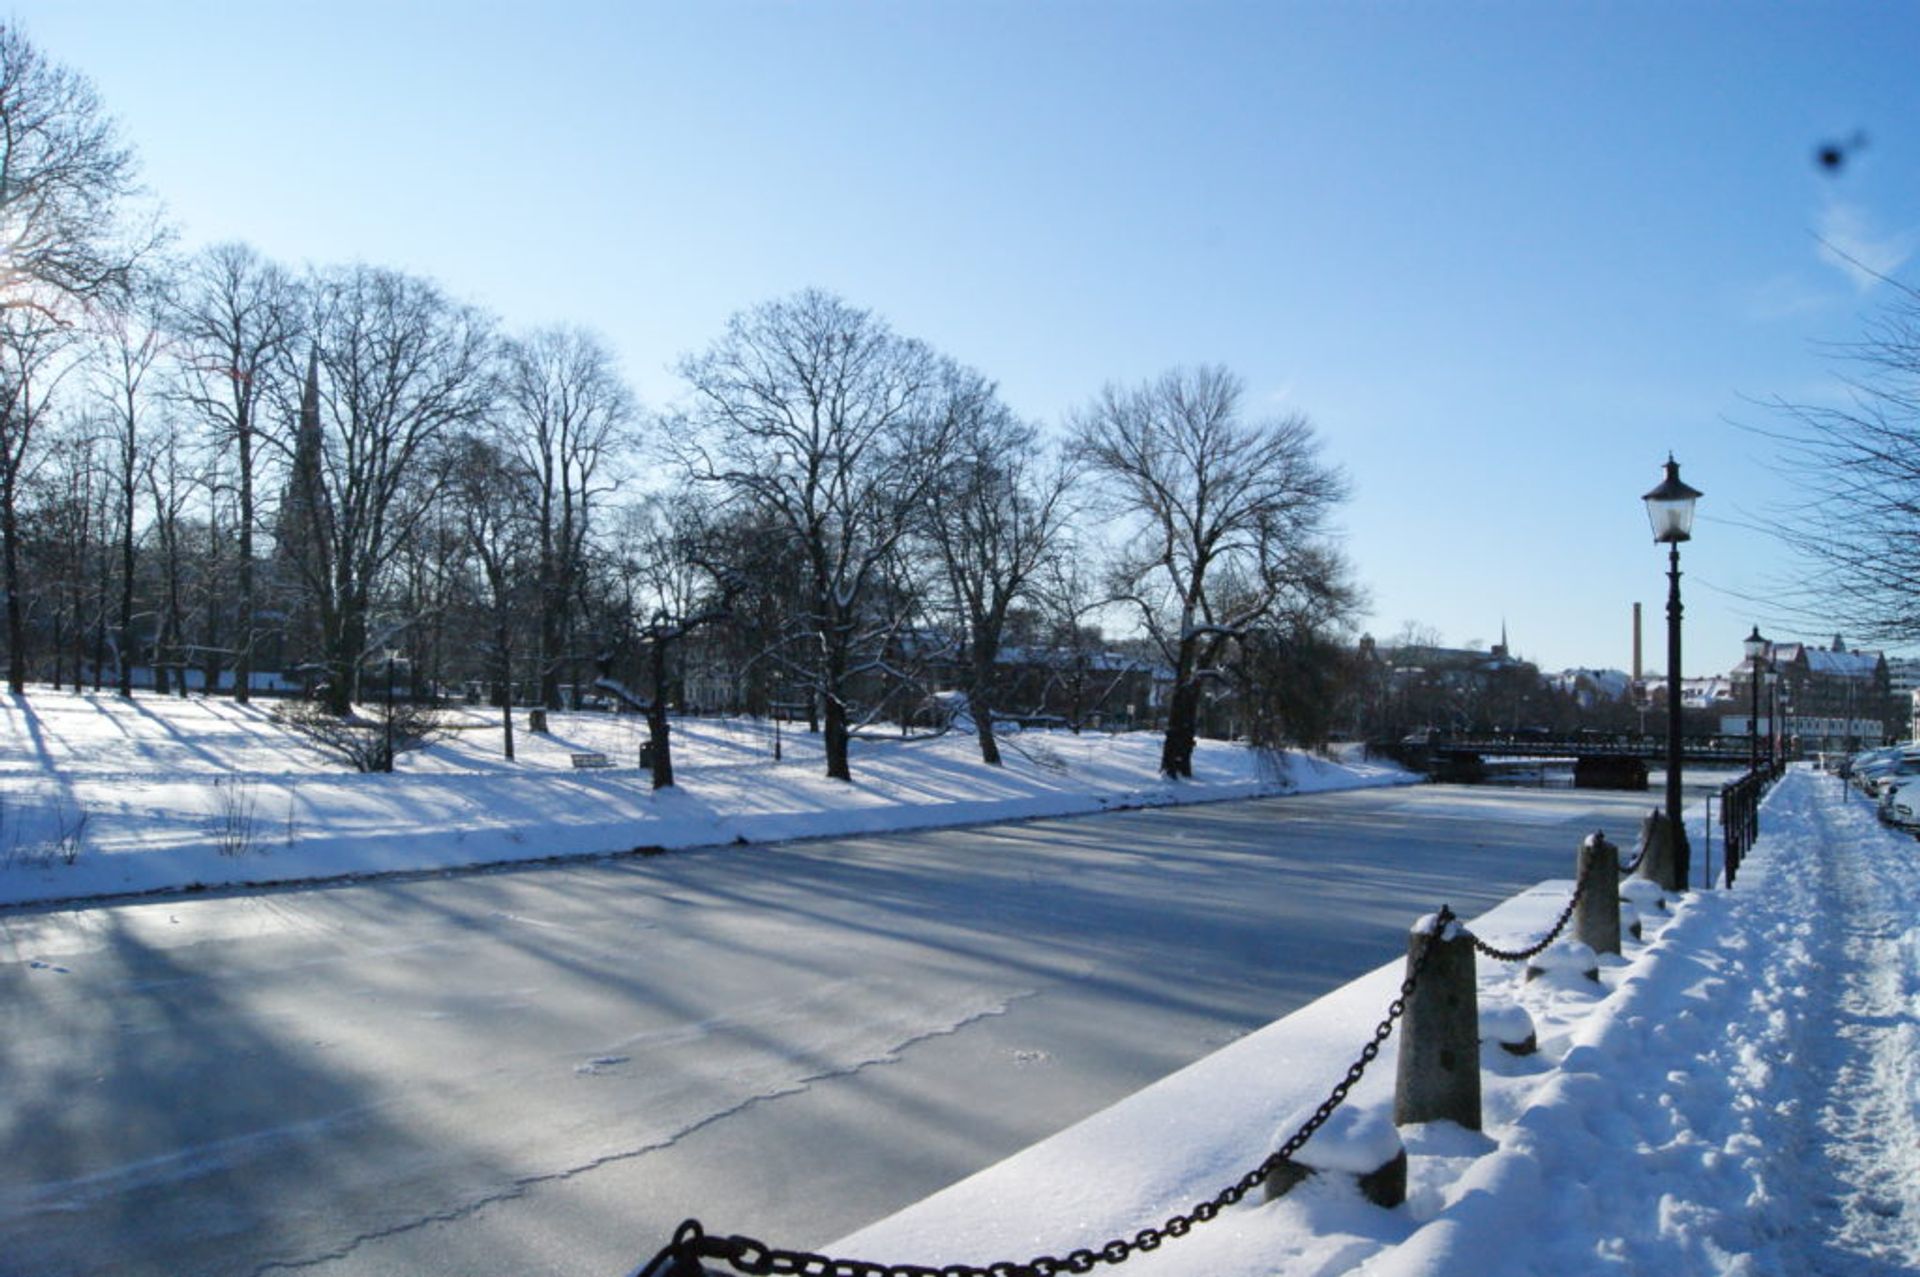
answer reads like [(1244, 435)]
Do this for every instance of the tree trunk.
[(16, 616), (126, 595), (657, 726), (243, 645), (210, 665), (162, 682), (836, 740), (503, 685), (980, 701), (1183, 712), (344, 643), (549, 659)]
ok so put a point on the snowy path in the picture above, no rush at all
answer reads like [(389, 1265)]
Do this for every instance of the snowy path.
[(1743, 1105), (1862, 1080)]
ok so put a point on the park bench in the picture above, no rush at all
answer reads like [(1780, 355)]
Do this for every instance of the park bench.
[(590, 760)]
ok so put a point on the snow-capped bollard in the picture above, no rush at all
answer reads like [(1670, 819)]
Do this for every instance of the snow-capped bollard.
[(1568, 958), (1659, 859), (1596, 919), (1361, 1143), (1439, 1075), (1645, 898), (1508, 1025)]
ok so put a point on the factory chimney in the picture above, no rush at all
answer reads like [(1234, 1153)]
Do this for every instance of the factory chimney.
[(1636, 643)]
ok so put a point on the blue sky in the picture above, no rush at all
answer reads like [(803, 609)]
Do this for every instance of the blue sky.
[(1505, 256)]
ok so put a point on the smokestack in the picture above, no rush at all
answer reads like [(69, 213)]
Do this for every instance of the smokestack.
[(1636, 642)]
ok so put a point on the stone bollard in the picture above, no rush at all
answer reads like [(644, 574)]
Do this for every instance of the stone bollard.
[(1658, 859), (1566, 958), (1596, 919), (1359, 1143), (1509, 1026), (1439, 1075), (1645, 899)]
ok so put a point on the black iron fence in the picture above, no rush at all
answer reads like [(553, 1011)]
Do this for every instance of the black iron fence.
[(1740, 813)]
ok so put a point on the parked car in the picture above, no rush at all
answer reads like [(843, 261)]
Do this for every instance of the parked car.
[(1900, 802), (1874, 767)]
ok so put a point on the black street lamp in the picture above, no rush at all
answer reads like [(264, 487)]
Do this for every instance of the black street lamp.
[(1756, 648), (1774, 736), (1670, 511)]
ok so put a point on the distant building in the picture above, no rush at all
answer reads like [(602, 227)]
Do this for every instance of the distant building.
[(1830, 698), (1415, 687), (1591, 688)]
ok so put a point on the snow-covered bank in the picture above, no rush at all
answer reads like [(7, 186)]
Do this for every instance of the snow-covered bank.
[(1738, 1096), (105, 796)]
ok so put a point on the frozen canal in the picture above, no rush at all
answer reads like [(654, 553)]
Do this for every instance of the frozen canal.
[(542, 1071)]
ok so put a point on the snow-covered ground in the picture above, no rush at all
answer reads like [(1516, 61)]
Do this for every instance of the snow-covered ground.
[(104, 796), (1738, 1095)]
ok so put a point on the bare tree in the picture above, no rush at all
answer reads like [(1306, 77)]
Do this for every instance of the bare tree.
[(565, 416), (35, 356), (1227, 522), (396, 368), (669, 588), (130, 344), (489, 493), (994, 519), (818, 417), (65, 187), (65, 184), (1070, 597), (764, 637), (1855, 527), (235, 317), (171, 479)]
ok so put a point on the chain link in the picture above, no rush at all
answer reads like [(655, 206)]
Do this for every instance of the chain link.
[(1539, 946), (691, 1243)]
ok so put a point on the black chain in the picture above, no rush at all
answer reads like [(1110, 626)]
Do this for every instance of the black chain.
[(691, 1243), (1521, 955)]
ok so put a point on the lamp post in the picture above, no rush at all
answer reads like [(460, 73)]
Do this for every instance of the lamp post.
[(1670, 512), (1773, 720), (1756, 648), (389, 725)]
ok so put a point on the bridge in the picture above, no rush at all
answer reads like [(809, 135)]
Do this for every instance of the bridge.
[(1599, 762)]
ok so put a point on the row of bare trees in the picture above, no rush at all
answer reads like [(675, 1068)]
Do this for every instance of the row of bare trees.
[(854, 444), (212, 466)]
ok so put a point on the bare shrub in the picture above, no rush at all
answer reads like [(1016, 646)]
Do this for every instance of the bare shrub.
[(61, 827), (70, 833), (369, 738), (235, 809)]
